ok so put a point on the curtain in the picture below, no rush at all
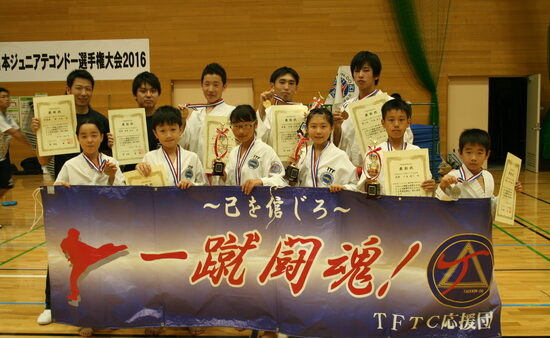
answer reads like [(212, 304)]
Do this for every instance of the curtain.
[(422, 25)]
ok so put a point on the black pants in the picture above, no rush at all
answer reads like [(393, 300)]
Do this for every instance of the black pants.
[(47, 291)]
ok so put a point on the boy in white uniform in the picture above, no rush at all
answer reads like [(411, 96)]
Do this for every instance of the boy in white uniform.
[(284, 85), (252, 163), (213, 84), (396, 118), (366, 68), (8, 129), (182, 167), (471, 180)]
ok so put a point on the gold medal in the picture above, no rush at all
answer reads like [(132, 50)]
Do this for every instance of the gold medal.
[(266, 104), (345, 115)]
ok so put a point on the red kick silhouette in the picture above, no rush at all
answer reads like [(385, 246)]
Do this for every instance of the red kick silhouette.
[(82, 255)]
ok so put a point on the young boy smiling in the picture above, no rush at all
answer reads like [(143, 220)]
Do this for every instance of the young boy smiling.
[(471, 180), (396, 119), (183, 168)]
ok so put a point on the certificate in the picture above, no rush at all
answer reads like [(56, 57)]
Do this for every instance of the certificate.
[(129, 130), (287, 119), (213, 126), (366, 116), (506, 205), (57, 132), (157, 178), (404, 172)]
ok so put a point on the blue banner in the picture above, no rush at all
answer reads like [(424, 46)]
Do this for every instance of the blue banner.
[(301, 261)]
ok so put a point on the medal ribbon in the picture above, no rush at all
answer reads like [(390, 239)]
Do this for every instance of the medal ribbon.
[(345, 106), (463, 178), (373, 151), (374, 92), (204, 105), (176, 172), (280, 100), (240, 162), (390, 148), (219, 134), (315, 164), (100, 160)]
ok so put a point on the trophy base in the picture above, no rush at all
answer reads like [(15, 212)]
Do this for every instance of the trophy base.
[(291, 173), (218, 169), (372, 190)]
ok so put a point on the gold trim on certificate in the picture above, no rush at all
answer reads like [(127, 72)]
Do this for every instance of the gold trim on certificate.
[(506, 204), (157, 178), (366, 116), (129, 130), (404, 172), (287, 119), (211, 124), (57, 132)]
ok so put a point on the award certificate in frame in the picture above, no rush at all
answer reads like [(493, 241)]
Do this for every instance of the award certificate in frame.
[(57, 132), (404, 172), (129, 130)]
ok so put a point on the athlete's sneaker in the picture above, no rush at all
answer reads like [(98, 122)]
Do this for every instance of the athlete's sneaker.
[(45, 317)]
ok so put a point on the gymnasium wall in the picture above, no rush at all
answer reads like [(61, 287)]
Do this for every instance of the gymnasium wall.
[(252, 38)]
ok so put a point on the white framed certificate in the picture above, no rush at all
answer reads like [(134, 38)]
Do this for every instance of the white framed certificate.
[(506, 205), (404, 172), (129, 130), (366, 116), (216, 127), (57, 132), (287, 119), (157, 178)]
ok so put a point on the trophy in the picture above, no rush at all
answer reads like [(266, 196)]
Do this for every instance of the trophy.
[(373, 162), (221, 144), (292, 171)]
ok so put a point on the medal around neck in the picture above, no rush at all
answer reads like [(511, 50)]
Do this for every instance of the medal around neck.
[(221, 145), (374, 163)]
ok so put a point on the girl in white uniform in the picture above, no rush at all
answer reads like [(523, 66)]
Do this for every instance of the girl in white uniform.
[(323, 164), (252, 163), (90, 167), (182, 167)]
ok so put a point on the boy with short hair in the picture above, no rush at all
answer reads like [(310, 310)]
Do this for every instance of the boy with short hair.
[(471, 180), (284, 85), (213, 84), (183, 168), (8, 129), (396, 118), (366, 68)]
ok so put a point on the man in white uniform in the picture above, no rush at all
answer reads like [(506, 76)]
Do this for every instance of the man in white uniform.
[(366, 68)]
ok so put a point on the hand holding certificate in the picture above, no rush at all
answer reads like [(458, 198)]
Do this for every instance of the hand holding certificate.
[(405, 170), (156, 177), (506, 205), (57, 132), (287, 119), (129, 130), (366, 115)]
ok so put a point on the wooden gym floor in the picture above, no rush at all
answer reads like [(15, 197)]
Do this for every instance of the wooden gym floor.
[(522, 265)]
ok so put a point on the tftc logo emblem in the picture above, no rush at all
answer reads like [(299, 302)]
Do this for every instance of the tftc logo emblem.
[(460, 271)]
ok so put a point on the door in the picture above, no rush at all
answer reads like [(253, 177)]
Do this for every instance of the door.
[(532, 140)]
